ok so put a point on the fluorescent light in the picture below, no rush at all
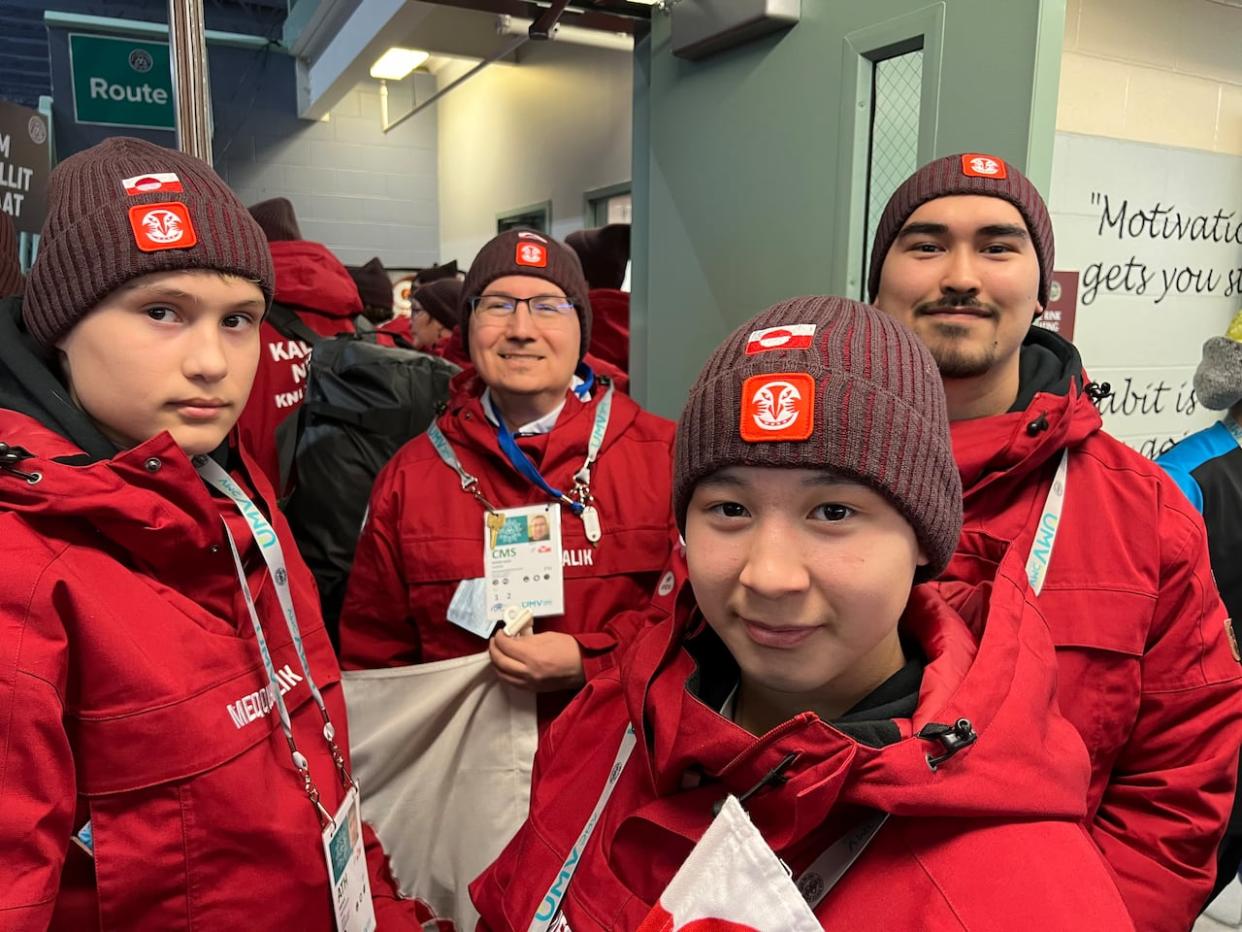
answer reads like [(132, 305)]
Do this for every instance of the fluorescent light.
[(396, 63)]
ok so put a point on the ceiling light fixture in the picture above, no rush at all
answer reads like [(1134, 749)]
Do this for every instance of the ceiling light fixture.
[(396, 63)]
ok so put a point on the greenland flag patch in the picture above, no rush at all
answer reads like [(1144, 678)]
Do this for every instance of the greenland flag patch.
[(784, 337), (154, 183)]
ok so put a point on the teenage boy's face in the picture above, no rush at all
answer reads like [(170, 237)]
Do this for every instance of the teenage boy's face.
[(963, 274), (803, 575), (173, 351)]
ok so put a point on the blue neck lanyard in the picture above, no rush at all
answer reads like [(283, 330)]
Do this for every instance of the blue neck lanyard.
[(522, 463)]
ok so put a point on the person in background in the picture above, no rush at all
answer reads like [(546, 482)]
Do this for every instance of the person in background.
[(313, 291), (605, 255), (814, 672), (1207, 466), (174, 732), (375, 290), (11, 280), (521, 423), (1118, 559)]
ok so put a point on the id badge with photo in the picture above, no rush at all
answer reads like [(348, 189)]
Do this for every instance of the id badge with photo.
[(347, 868), (522, 561)]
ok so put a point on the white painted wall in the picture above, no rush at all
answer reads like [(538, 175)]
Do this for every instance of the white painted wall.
[(1149, 115), (549, 128)]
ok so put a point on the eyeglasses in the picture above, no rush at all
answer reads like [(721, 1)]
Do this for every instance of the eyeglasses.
[(546, 308)]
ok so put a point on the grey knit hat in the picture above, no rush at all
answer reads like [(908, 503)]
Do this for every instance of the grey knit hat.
[(1218, 380), (127, 208), (966, 173), (828, 383)]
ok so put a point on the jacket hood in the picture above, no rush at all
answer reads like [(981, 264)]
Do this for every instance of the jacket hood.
[(1027, 762), (309, 276), (1055, 410)]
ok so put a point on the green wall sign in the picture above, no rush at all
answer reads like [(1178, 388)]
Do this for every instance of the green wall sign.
[(121, 82)]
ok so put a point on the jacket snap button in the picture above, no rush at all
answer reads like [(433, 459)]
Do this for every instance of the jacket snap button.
[(214, 548), (153, 464)]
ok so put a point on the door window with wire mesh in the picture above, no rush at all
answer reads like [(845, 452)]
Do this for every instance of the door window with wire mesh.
[(896, 91)]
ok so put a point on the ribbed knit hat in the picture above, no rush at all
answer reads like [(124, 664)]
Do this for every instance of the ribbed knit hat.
[(374, 285), (1218, 380), (525, 252), (604, 253), (436, 272), (127, 208), (828, 383), (966, 173), (441, 299), (10, 262), (277, 219)]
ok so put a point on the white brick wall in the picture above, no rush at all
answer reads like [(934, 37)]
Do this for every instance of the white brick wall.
[(357, 190)]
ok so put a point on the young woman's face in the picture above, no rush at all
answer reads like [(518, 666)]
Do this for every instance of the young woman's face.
[(803, 575), (170, 351)]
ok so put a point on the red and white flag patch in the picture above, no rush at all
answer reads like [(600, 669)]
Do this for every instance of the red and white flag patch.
[(977, 165), (784, 337), (531, 254), (162, 226), (778, 406), (154, 183)]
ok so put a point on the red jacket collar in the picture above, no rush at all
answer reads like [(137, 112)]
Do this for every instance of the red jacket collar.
[(1004, 684)]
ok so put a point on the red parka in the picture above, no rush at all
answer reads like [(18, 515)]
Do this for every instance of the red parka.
[(424, 535), (132, 692), (312, 282), (610, 326), (992, 839), (1146, 672)]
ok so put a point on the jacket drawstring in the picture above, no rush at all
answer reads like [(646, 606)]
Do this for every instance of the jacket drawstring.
[(10, 457), (961, 734), (1098, 391)]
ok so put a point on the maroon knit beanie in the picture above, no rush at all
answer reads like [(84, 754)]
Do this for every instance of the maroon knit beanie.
[(441, 299), (374, 285), (525, 252), (966, 173), (828, 383), (277, 219), (436, 272), (604, 253), (127, 208), (10, 262)]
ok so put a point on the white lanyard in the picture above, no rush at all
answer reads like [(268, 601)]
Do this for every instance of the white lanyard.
[(1234, 428), (814, 884), (273, 555), (579, 500), (1046, 529)]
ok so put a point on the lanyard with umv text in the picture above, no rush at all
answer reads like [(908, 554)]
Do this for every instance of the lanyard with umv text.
[(579, 500), (814, 883), (274, 557), (1046, 529)]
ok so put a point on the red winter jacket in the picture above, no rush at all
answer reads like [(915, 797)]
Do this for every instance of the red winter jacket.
[(130, 692), (1146, 673), (424, 535), (990, 840), (610, 326), (312, 282)]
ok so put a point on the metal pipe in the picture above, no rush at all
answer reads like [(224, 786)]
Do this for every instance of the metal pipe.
[(187, 48), (508, 49)]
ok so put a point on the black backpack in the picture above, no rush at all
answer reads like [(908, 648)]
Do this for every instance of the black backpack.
[(363, 402)]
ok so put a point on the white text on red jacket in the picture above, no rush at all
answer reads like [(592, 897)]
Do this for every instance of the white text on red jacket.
[(260, 703)]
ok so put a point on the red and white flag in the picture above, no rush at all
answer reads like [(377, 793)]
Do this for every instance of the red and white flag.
[(731, 882), (154, 183), (785, 337)]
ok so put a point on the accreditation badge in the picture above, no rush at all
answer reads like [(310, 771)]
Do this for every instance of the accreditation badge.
[(522, 562), (347, 868)]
